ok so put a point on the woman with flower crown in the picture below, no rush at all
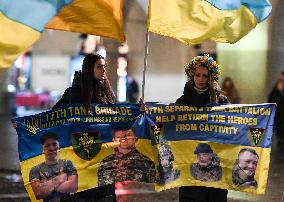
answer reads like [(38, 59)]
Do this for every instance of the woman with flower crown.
[(202, 89)]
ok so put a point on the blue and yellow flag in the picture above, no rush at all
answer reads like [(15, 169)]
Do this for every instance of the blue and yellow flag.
[(195, 21), (68, 150), (22, 22), (96, 17)]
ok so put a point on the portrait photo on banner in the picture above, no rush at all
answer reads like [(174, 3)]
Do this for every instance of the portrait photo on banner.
[(126, 163), (243, 172), (54, 178), (166, 171), (207, 168)]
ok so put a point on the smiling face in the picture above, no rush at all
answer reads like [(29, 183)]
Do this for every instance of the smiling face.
[(201, 77), (204, 159), (100, 69), (50, 149), (248, 162)]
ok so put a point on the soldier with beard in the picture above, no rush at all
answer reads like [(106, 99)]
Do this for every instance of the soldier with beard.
[(208, 167)]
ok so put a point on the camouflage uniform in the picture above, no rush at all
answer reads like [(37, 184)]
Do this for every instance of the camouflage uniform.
[(241, 179), (167, 175), (47, 172), (211, 173), (132, 166)]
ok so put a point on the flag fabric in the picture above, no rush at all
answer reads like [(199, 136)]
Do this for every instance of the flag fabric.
[(22, 22), (96, 17), (163, 146), (195, 21)]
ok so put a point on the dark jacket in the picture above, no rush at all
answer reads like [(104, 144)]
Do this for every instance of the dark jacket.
[(73, 94), (192, 97), (277, 97)]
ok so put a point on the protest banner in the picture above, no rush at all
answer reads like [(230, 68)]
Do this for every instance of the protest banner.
[(225, 146)]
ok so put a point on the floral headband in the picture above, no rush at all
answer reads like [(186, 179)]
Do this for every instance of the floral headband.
[(203, 61)]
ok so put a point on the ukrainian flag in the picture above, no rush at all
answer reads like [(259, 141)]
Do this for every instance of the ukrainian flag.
[(22, 22), (96, 17), (195, 21)]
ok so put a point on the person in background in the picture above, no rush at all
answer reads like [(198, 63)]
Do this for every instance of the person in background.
[(202, 89), (91, 85), (277, 96), (230, 90), (132, 90)]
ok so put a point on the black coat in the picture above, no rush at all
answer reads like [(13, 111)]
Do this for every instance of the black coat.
[(192, 97), (73, 94), (277, 97)]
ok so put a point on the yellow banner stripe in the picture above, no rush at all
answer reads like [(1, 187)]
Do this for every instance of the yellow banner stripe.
[(15, 38), (184, 156), (87, 170)]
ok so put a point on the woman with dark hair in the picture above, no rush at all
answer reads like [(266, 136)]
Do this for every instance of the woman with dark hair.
[(202, 87), (200, 90), (89, 86), (231, 92)]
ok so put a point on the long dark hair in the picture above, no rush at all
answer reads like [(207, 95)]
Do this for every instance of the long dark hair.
[(231, 91), (101, 91)]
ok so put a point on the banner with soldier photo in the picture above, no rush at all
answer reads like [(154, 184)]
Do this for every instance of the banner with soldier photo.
[(69, 150), (225, 146)]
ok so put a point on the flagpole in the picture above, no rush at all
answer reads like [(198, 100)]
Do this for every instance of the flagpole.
[(145, 65)]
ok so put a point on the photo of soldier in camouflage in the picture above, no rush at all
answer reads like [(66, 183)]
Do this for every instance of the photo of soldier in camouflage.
[(165, 167), (244, 169), (55, 178), (208, 167), (127, 163)]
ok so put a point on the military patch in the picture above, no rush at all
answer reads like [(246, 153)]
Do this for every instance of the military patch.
[(157, 133), (255, 135), (86, 144)]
